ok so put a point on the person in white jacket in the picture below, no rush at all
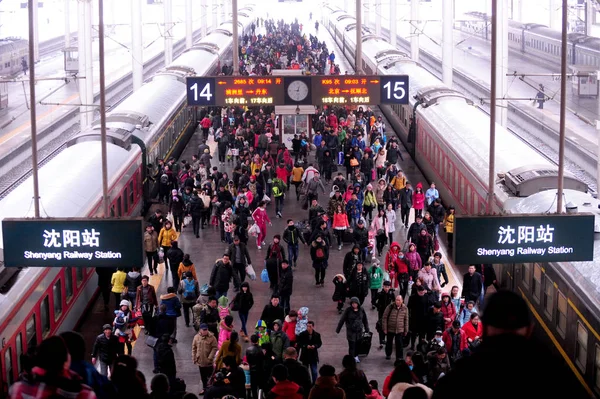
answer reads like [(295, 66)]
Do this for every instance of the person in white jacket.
[(390, 214)]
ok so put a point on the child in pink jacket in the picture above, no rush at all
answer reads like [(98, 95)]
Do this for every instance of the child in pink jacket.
[(225, 329)]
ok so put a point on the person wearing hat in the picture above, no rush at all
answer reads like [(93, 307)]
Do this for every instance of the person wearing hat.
[(455, 341), (204, 350), (105, 350), (355, 319), (508, 352)]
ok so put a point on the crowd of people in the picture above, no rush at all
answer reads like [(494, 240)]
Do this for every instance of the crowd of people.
[(356, 196)]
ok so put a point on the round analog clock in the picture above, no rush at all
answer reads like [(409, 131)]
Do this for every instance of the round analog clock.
[(297, 90)]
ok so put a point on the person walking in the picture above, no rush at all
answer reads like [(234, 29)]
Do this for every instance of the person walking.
[(286, 285), (261, 218), (222, 273), (292, 236), (242, 303), (319, 253), (359, 282), (395, 326), (117, 282), (309, 342), (275, 256), (151, 248), (204, 350), (190, 292), (146, 300), (240, 257), (175, 256), (105, 350), (355, 319)]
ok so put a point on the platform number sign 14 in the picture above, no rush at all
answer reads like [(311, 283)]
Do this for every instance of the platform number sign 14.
[(394, 89), (200, 91)]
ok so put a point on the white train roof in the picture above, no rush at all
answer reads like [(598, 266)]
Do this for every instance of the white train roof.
[(69, 184), (419, 77), (585, 275)]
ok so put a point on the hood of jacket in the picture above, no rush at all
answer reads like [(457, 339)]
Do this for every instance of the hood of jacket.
[(395, 245), (133, 274), (382, 180), (303, 312), (341, 276), (326, 382), (168, 296), (420, 185), (286, 389), (187, 263)]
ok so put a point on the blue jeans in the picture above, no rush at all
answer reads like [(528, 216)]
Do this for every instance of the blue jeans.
[(285, 303), (243, 320), (221, 293), (293, 252), (279, 204), (313, 371)]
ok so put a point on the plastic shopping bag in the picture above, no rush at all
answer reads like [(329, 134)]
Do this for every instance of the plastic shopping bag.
[(251, 273), (254, 230), (264, 276)]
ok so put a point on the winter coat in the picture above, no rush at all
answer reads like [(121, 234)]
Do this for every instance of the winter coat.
[(175, 256), (472, 286), (414, 230), (394, 264), (132, 281), (340, 288), (150, 241), (184, 267), (222, 274), (105, 349), (435, 322), (376, 277), (285, 390), (196, 206), (355, 321), (340, 221), (166, 359), (204, 349), (183, 288), (350, 261), (449, 311), (289, 328), (327, 388), (319, 262), (405, 196), (293, 236), (228, 349), (245, 255), (361, 237), (280, 342), (378, 190), (354, 383), (286, 281), (383, 301), (166, 236), (449, 223), (173, 304), (447, 338), (224, 333), (118, 281), (309, 356), (211, 317), (418, 307), (430, 279), (359, 283), (299, 374), (271, 313), (243, 301), (391, 220), (398, 389), (414, 260), (471, 331), (418, 200), (152, 300), (395, 319)]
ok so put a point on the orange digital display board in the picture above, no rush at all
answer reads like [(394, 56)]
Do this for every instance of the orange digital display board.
[(249, 90), (345, 90)]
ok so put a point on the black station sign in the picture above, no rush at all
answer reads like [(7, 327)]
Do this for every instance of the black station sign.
[(297, 90), (523, 238), (73, 242)]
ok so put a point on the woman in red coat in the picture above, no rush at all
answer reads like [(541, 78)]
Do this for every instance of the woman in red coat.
[(418, 200), (473, 328), (448, 310)]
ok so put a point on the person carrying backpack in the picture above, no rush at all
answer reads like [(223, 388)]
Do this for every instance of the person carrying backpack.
[(189, 291)]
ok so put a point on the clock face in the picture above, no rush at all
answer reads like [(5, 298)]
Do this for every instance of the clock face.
[(297, 90)]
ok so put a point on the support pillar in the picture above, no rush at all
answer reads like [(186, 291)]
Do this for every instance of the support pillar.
[(67, 12), (137, 50), (447, 42), (378, 17), (236, 39), (84, 43), (358, 57), (215, 13), (414, 38), (204, 17), (189, 24), (36, 32), (393, 29), (502, 62), (168, 26)]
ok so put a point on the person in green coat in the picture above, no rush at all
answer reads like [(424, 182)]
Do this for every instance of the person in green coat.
[(376, 275)]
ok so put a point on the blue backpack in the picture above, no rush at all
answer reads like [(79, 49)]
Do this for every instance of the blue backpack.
[(190, 289)]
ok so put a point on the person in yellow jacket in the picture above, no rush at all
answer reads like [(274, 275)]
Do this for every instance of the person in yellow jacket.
[(449, 225), (186, 266), (118, 285), (399, 181), (167, 235)]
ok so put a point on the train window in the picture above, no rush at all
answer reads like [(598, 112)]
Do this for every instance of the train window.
[(456, 178), (581, 347), (462, 190), (132, 192), (536, 283), (31, 332), (119, 207), (126, 199), (548, 298), (8, 370), (526, 274), (68, 283), (45, 316), (468, 199), (561, 315), (112, 210), (79, 275), (57, 295), (19, 350)]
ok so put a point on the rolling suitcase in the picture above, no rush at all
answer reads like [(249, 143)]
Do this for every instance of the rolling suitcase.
[(363, 346)]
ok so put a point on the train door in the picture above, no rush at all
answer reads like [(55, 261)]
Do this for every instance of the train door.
[(505, 274)]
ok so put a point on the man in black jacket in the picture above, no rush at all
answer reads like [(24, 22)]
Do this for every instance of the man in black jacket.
[(472, 285), (235, 375), (105, 349), (240, 257), (405, 195), (166, 358), (393, 153), (297, 372), (415, 229), (361, 238), (195, 208), (175, 256), (384, 298), (222, 273), (272, 311), (210, 316), (292, 236), (286, 283), (435, 320), (309, 342)]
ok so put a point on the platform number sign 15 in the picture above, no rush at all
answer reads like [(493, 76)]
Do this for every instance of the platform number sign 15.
[(200, 91), (394, 89)]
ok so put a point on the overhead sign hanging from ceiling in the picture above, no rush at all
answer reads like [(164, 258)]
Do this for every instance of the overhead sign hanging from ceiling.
[(73, 242), (297, 90), (523, 238)]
